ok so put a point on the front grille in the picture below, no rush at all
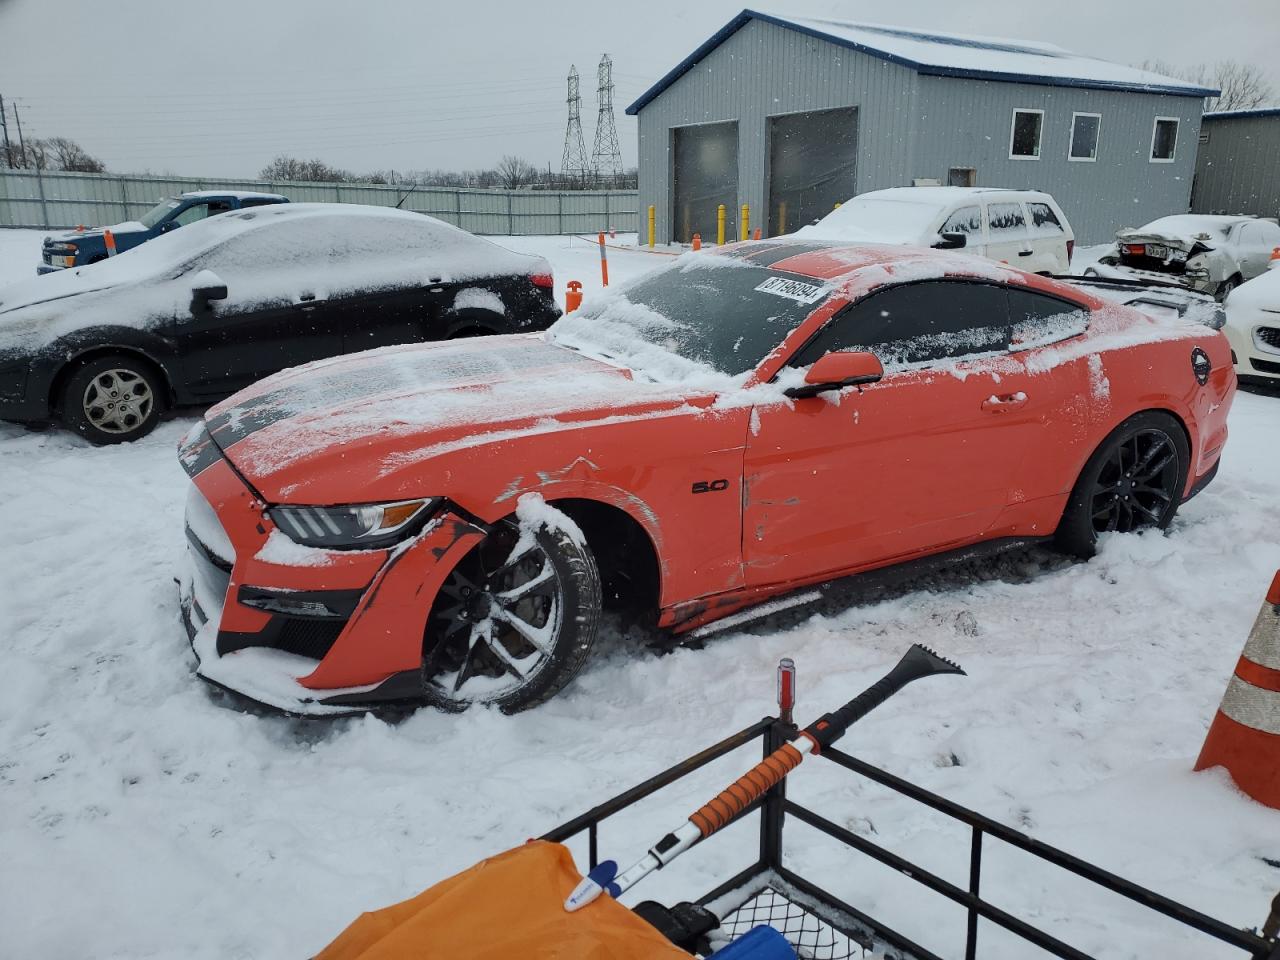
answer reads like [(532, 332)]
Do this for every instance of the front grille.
[(308, 638), (1265, 366), (1268, 335)]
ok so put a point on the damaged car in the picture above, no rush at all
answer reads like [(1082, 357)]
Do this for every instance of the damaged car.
[(726, 436), (204, 311), (1210, 254)]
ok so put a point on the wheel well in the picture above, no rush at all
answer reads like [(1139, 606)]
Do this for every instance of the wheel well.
[(68, 369), (624, 553), (470, 331), (97, 259), (474, 322)]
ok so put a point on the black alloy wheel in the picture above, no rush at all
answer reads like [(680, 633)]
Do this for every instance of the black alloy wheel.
[(1134, 480), (513, 622)]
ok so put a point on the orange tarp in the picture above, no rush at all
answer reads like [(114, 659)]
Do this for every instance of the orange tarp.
[(509, 907)]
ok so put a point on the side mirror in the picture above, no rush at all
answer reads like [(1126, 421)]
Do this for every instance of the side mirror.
[(951, 241), (838, 370), (169, 225), (207, 286)]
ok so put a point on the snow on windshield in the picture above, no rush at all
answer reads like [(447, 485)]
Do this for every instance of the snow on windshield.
[(695, 321), (877, 220)]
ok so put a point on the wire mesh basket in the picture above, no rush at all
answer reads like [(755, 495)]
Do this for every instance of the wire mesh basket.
[(813, 937)]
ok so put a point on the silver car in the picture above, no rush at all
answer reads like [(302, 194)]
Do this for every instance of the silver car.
[(1209, 253)]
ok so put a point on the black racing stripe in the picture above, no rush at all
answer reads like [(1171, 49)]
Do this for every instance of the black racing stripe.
[(767, 254), (199, 453), (352, 384)]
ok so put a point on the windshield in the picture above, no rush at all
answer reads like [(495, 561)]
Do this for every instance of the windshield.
[(157, 213), (888, 221), (703, 313)]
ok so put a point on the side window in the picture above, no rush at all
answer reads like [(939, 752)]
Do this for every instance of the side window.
[(1005, 222), (255, 202), (1024, 134), (1164, 139), (1038, 319), (1270, 236), (918, 323), (197, 211), (964, 220), (1044, 223)]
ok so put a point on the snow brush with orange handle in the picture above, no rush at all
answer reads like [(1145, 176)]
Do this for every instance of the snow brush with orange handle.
[(918, 662)]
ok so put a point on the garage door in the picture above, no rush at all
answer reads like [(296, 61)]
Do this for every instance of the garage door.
[(812, 160), (705, 175)]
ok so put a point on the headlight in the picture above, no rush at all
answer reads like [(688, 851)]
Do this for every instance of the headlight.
[(361, 526)]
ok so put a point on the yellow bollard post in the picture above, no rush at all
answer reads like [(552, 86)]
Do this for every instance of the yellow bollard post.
[(720, 225), (652, 217), (782, 217), (837, 206), (746, 220)]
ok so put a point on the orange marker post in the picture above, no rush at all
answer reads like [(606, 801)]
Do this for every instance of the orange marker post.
[(756, 234), (604, 262), (573, 296), (697, 241), (110, 240)]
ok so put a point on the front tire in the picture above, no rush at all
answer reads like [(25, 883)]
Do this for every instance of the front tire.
[(514, 621), (112, 399), (1133, 480)]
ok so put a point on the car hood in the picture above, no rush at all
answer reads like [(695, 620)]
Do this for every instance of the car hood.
[(50, 287), (348, 428), (128, 226)]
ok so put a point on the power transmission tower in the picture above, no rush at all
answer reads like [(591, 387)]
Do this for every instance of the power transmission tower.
[(606, 155), (573, 164)]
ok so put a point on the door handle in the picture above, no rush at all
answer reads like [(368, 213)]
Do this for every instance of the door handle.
[(1025, 253), (1010, 401)]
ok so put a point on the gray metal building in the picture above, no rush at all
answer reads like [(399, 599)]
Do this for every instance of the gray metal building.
[(791, 115), (1238, 166)]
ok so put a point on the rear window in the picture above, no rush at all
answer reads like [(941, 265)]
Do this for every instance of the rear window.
[(721, 314), (1043, 221)]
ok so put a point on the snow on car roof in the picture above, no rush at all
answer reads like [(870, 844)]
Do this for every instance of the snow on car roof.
[(938, 54), (239, 194), (935, 195), (1190, 224)]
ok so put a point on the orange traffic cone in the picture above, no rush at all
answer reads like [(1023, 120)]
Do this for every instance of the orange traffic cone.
[(1245, 735)]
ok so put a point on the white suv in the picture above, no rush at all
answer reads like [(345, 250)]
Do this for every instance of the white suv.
[(1023, 228)]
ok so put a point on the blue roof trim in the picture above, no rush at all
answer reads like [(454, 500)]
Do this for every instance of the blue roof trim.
[(738, 22), (1256, 112)]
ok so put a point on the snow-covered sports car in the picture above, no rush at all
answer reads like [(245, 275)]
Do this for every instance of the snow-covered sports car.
[(201, 312), (446, 522)]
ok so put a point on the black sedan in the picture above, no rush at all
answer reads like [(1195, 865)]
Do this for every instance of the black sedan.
[(200, 313)]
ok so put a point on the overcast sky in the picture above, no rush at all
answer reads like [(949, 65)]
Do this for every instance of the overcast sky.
[(220, 88)]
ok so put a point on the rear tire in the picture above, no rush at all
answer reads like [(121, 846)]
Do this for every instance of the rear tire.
[(514, 622), (1133, 480), (112, 398)]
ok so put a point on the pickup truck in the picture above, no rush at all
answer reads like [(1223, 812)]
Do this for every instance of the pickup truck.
[(75, 248)]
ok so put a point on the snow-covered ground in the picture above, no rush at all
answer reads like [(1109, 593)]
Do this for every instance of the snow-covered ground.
[(142, 816)]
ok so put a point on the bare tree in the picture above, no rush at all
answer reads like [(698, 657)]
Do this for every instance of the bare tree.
[(285, 167), (1243, 85), (514, 172), (66, 154)]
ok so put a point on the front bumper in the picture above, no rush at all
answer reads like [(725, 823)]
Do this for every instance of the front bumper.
[(326, 633), (1254, 358)]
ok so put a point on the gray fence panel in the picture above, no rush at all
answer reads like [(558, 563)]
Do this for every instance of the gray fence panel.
[(51, 200)]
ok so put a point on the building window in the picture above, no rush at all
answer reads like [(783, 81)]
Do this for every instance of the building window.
[(1024, 136), (1084, 136), (1164, 139)]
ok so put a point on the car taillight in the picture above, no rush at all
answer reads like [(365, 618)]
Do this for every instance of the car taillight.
[(1071, 249), (1136, 249), (543, 280)]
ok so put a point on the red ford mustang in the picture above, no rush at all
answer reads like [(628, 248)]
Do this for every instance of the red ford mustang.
[(446, 522)]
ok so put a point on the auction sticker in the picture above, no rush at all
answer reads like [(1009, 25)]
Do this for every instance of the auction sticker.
[(792, 290)]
